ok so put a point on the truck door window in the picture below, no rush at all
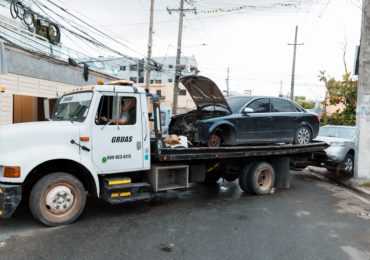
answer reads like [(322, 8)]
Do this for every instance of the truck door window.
[(115, 110)]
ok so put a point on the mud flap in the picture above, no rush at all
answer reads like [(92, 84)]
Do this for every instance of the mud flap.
[(10, 197), (282, 176)]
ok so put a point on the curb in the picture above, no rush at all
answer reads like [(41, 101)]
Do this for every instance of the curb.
[(352, 187)]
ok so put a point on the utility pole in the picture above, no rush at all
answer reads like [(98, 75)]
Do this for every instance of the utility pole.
[(227, 82), (178, 55), (293, 67), (281, 89), (362, 154), (150, 43)]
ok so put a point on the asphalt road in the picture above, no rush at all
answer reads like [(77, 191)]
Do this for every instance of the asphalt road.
[(312, 220)]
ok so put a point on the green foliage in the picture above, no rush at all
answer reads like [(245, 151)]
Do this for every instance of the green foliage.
[(344, 93), (305, 103), (296, 98)]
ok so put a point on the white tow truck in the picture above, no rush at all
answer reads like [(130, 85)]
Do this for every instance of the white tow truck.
[(83, 150)]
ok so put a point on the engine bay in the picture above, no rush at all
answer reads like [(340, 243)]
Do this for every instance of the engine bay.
[(188, 124)]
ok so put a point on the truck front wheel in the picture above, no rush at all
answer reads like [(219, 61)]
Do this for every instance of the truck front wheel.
[(57, 199)]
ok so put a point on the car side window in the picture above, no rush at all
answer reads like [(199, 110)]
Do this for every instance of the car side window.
[(261, 105), (281, 105)]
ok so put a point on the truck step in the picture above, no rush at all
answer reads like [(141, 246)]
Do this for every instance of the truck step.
[(116, 181), (126, 197), (127, 186)]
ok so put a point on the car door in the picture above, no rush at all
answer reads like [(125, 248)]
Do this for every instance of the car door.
[(117, 148), (285, 120), (256, 126)]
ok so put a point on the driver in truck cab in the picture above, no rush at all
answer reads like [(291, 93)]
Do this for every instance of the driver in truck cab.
[(127, 115)]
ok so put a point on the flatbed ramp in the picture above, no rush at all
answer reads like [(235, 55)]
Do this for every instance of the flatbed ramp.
[(206, 153)]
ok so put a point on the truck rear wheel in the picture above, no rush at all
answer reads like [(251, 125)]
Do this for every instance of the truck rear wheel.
[(257, 177), (57, 199), (243, 177), (261, 178)]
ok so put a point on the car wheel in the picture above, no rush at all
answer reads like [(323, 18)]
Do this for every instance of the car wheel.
[(303, 135), (214, 140), (57, 199), (348, 164)]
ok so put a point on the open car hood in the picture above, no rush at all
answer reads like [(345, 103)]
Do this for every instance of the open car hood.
[(204, 92)]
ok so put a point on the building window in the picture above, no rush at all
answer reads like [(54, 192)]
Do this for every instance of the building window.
[(170, 66), (159, 93), (134, 79), (182, 92), (122, 68), (158, 81), (151, 81), (169, 80), (133, 67)]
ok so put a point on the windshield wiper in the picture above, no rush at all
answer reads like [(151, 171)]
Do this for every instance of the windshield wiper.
[(77, 113), (58, 118)]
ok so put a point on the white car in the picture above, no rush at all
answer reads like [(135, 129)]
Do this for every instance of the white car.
[(340, 154)]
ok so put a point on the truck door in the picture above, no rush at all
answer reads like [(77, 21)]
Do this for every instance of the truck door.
[(117, 140)]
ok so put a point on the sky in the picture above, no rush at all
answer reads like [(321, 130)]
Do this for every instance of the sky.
[(252, 41)]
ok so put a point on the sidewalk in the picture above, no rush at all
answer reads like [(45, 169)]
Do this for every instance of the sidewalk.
[(360, 186)]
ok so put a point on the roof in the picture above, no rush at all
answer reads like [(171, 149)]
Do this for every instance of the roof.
[(111, 88)]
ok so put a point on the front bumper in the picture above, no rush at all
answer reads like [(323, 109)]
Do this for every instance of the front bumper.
[(10, 197), (322, 158)]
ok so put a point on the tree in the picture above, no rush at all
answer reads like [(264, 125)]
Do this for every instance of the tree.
[(342, 92), (301, 100)]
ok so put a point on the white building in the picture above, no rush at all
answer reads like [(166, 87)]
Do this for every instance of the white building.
[(162, 69)]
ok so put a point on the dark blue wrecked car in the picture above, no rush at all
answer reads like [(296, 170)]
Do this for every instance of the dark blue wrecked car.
[(241, 120)]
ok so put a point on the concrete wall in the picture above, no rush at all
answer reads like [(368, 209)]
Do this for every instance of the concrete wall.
[(26, 86), (47, 68), (35, 75)]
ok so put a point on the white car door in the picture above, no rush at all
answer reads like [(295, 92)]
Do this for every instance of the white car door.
[(117, 148)]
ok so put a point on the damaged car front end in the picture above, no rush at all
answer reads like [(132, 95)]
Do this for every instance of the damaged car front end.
[(210, 103)]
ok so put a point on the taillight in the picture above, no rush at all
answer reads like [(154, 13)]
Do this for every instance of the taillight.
[(318, 117)]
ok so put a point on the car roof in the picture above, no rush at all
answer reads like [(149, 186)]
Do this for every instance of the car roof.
[(254, 97)]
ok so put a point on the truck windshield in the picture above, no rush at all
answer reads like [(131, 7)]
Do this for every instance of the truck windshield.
[(73, 107)]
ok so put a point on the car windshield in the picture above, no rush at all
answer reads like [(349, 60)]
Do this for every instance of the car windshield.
[(341, 132), (215, 108), (236, 103), (73, 107)]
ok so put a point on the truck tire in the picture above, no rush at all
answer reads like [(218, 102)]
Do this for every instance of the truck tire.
[(57, 199), (243, 177), (261, 178)]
